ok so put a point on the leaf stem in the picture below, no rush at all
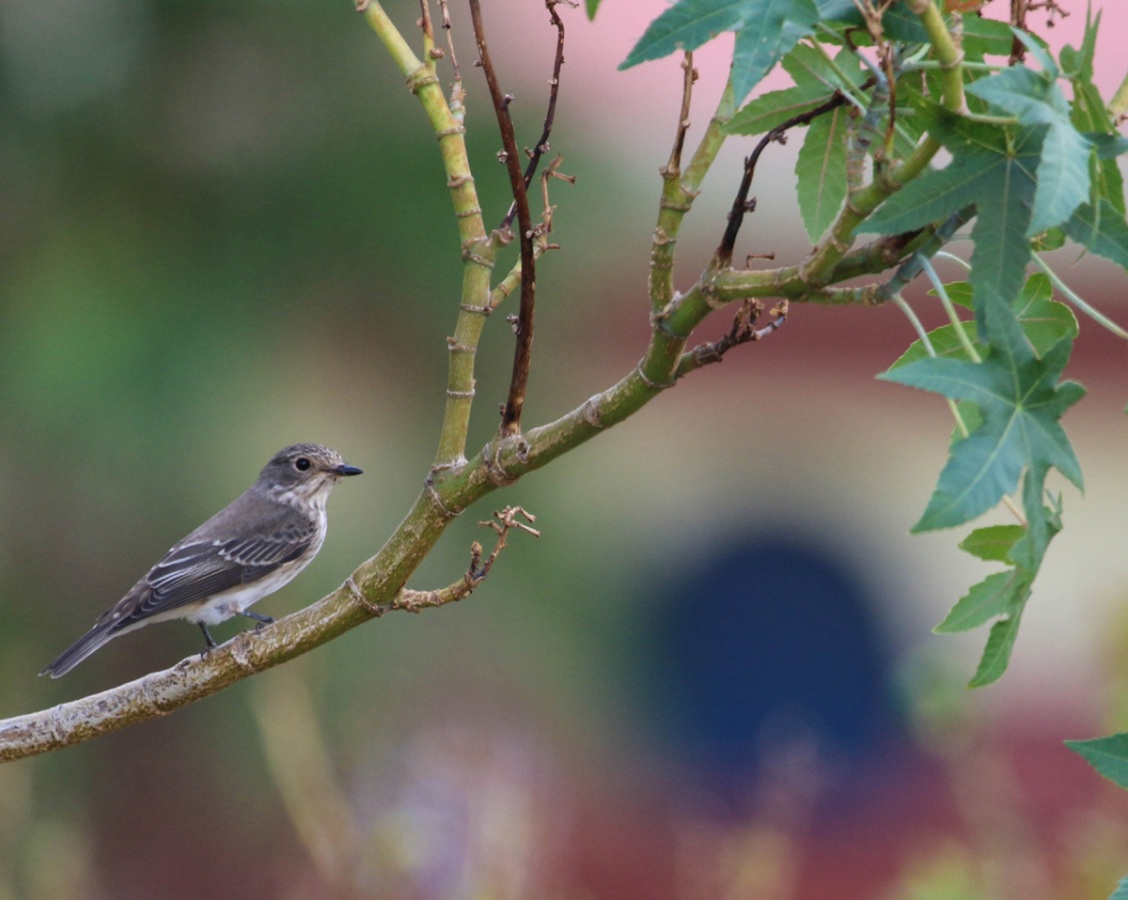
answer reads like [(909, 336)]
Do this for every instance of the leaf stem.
[(951, 257), (950, 309), (1097, 316)]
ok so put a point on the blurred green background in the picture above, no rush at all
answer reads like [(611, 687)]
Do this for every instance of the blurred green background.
[(223, 229)]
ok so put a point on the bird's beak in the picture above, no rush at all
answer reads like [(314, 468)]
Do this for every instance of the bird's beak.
[(348, 470)]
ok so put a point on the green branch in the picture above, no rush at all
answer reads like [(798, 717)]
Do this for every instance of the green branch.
[(479, 250)]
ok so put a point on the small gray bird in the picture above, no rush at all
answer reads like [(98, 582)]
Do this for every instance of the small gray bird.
[(237, 557)]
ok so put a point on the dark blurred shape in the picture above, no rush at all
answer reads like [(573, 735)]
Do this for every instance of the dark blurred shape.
[(767, 653)]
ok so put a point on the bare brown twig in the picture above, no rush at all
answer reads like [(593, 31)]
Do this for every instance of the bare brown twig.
[(742, 204), (425, 23), (502, 522), (541, 147), (743, 331), (673, 167), (522, 355)]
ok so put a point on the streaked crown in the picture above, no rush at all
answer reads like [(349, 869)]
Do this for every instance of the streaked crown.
[(305, 469)]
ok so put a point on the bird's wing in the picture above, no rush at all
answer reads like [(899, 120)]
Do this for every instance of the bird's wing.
[(195, 570)]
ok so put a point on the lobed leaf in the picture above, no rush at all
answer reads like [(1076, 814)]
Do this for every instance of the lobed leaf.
[(1020, 400), (765, 31), (1063, 166), (1102, 230), (1044, 320), (945, 342)]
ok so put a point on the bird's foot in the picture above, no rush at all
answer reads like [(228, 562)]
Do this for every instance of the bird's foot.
[(262, 620)]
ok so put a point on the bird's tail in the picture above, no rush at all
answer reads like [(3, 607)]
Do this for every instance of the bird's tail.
[(82, 648)]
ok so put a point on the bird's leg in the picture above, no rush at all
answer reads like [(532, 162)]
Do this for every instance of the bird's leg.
[(258, 617), (207, 637)]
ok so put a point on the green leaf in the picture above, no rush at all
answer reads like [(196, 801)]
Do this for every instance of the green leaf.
[(1002, 250), (774, 108), (1021, 402), (959, 292), (991, 172), (765, 30), (1043, 319), (971, 417), (901, 24), (592, 6), (935, 195), (1022, 92), (985, 601), (810, 69), (1039, 49), (821, 171), (1121, 892), (772, 28), (1078, 64), (997, 653), (1108, 755), (686, 26), (1004, 595), (1063, 177), (1109, 146), (1089, 115), (1063, 169), (1050, 239), (985, 37), (839, 10), (945, 342), (1042, 524), (993, 543), (1102, 230)]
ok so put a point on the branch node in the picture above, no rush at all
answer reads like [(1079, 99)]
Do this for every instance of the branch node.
[(468, 255), (420, 78), (491, 461), (357, 594), (437, 500), (651, 383), (590, 412)]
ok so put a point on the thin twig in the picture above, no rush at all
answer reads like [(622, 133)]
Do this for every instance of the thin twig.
[(741, 204), (457, 70), (522, 355), (673, 167), (542, 146), (743, 331), (427, 28), (502, 522)]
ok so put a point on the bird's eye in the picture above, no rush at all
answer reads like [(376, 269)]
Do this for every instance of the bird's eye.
[(301, 463)]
